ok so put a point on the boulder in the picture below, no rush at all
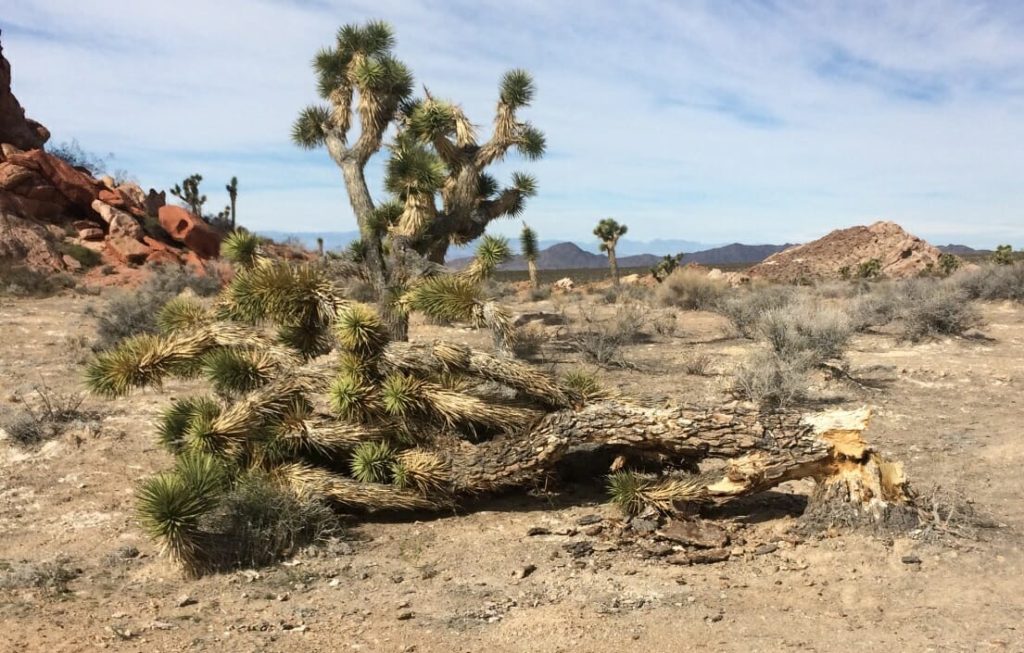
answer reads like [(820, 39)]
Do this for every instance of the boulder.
[(15, 128), (71, 263), (190, 231), (154, 201), (108, 182), (27, 243), (128, 249), (78, 187), (113, 198), (121, 223), (133, 194), (564, 284), (162, 257)]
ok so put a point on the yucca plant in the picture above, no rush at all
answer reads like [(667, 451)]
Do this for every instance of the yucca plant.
[(438, 190)]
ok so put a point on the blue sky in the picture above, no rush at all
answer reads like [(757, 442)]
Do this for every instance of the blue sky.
[(710, 121)]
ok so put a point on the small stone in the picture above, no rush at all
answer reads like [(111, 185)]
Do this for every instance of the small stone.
[(580, 549), (161, 625), (765, 549), (405, 616), (694, 532), (593, 530), (538, 530), (525, 571), (334, 582), (588, 520), (282, 597), (185, 600), (911, 559), (704, 557), (644, 526)]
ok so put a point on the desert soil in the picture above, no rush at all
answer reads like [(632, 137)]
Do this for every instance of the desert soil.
[(952, 410)]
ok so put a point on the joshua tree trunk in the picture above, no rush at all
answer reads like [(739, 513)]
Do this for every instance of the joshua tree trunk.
[(233, 199), (532, 267), (613, 263)]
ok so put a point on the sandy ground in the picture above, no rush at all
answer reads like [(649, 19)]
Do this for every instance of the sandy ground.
[(952, 410)]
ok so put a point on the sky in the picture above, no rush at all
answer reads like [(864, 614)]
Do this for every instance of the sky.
[(717, 121)]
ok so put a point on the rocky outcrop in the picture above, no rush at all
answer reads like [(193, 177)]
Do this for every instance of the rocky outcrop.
[(15, 128), (28, 244), (899, 255), (190, 231)]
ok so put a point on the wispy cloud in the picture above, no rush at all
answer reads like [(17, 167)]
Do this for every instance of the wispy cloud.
[(712, 121)]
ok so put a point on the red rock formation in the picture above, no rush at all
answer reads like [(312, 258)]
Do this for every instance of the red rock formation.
[(15, 128), (190, 231)]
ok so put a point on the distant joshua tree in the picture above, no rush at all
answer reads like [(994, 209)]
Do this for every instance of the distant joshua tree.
[(528, 244), (188, 192), (1003, 255), (609, 231), (232, 189)]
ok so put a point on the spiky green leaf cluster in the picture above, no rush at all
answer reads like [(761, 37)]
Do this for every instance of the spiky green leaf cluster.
[(528, 243), (372, 461), (241, 248), (182, 313)]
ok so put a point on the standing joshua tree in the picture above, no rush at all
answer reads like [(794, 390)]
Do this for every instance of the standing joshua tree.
[(609, 231), (435, 155), (232, 189), (188, 192), (528, 244)]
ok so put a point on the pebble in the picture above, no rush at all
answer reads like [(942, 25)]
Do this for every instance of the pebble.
[(911, 559), (185, 600), (588, 520), (765, 549), (538, 530), (525, 571)]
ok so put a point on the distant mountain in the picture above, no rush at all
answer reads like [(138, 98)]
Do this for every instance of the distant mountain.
[(566, 256), (734, 254), (961, 250), (339, 239)]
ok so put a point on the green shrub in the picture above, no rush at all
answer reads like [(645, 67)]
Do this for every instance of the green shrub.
[(1003, 255), (87, 257), (870, 269)]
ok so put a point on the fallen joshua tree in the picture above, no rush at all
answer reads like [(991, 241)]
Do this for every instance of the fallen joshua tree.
[(380, 425)]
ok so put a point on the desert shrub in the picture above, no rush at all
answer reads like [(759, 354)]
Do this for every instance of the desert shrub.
[(771, 380), (601, 341), (51, 577), (744, 309), (806, 329), (691, 290), (698, 364), (31, 426), (948, 264), (135, 312), (936, 309), (529, 341), (262, 523), (876, 308), (992, 282), (73, 154), (610, 295), (539, 294), (21, 281), (664, 323), (87, 257), (870, 269)]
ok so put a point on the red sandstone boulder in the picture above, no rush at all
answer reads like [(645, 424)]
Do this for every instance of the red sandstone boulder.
[(26, 243), (79, 188), (162, 257), (190, 230), (15, 128), (113, 198), (128, 249)]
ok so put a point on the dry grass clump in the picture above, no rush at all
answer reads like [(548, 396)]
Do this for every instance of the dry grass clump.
[(135, 313), (806, 328), (933, 309), (698, 364), (691, 290), (51, 577), (54, 411), (530, 340), (770, 380)]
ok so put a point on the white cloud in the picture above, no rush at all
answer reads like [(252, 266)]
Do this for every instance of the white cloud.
[(702, 120)]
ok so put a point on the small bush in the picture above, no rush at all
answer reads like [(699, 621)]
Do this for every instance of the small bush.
[(806, 329), (136, 312), (52, 577), (1003, 255), (530, 340), (601, 341), (30, 427), (992, 282), (877, 308), (691, 290), (936, 309), (698, 365), (260, 523), (539, 294), (770, 380), (21, 281), (744, 310), (870, 269)]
